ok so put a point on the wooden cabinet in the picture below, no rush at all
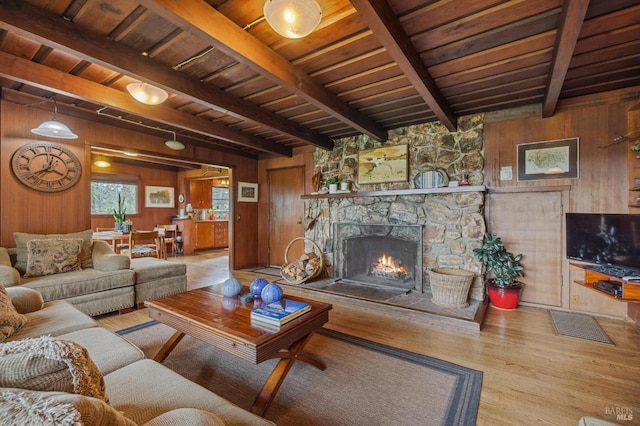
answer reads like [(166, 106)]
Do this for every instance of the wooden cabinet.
[(211, 234), (204, 235), (221, 234), (200, 193)]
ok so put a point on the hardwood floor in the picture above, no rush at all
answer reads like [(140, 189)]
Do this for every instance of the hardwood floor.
[(531, 376)]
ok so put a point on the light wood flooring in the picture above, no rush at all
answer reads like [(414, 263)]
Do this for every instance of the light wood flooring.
[(531, 376)]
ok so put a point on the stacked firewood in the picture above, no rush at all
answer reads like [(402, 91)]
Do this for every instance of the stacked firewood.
[(305, 267)]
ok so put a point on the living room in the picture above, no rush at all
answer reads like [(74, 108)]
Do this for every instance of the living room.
[(597, 120)]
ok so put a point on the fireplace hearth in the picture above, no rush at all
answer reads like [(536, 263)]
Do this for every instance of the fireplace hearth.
[(388, 256)]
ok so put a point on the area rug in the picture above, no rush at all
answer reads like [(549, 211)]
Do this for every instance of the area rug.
[(364, 382), (580, 326)]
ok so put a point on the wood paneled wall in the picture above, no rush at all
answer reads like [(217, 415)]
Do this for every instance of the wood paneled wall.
[(26, 210), (602, 183)]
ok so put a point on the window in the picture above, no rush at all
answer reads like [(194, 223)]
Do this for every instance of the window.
[(105, 189), (220, 199)]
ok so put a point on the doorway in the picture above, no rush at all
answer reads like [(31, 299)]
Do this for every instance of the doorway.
[(286, 211)]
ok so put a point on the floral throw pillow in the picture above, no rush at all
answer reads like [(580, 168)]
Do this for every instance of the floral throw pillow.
[(48, 364), (53, 256), (10, 320)]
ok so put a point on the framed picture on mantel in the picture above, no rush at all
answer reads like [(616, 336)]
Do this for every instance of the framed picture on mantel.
[(383, 164)]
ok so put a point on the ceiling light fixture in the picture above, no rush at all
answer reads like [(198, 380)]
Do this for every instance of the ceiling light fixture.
[(101, 162), (174, 144), (53, 128), (293, 18), (146, 93)]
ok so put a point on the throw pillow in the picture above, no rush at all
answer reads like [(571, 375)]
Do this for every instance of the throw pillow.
[(53, 256), (19, 407), (47, 364), (10, 320), (22, 238)]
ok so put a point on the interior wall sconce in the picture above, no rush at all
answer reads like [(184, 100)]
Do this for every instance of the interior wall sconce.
[(293, 18), (146, 93), (54, 128)]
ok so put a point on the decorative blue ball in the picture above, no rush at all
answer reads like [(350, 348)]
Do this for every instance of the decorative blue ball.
[(257, 285), (231, 287), (272, 292)]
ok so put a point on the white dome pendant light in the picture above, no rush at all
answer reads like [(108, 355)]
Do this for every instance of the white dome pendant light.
[(293, 18), (147, 94), (53, 128), (174, 144)]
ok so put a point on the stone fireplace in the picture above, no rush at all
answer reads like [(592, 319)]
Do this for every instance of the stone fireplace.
[(439, 226), (378, 255)]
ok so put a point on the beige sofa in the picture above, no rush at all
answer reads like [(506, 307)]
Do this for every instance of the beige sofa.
[(140, 391), (105, 281)]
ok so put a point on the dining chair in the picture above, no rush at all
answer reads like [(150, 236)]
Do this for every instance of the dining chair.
[(145, 244), (170, 232)]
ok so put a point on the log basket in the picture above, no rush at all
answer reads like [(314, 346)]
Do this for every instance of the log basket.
[(450, 286), (306, 267)]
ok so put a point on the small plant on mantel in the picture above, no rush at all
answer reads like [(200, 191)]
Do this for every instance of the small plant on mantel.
[(502, 285), (332, 180)]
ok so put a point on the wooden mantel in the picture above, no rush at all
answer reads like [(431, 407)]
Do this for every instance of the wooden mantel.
[(393, 192)]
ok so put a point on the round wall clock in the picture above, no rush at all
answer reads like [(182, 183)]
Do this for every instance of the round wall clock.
[(46, 166)]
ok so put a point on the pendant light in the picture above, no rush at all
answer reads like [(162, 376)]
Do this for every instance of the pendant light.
[(174, 144), (53, 128), (146, 93), (293, 18)]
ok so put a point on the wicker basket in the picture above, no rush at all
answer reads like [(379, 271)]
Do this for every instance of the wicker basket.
[(307, 267), (450, 286)]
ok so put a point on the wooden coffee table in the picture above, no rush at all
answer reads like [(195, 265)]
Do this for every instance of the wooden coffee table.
[(226, 324)]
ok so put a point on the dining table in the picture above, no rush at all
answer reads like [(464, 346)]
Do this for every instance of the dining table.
[(112, 237)]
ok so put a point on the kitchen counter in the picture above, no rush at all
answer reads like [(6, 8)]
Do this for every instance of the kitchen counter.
[(204, 234)]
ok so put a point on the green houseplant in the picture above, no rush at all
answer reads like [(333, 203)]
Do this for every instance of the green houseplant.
[(119, 213), (332, 183), (502, 286)]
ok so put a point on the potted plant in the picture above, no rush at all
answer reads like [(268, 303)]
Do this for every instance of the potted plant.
[(503, 288), (344, 184), (332, 182), (119, 213), (127, 225)]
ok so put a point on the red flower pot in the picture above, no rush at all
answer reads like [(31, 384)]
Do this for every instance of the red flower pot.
[(504, 297)]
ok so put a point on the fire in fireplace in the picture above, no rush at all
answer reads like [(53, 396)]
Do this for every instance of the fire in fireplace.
[(379, 255)]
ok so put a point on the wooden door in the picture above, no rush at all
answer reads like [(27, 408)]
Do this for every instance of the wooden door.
[(286, 210), (531, 223)]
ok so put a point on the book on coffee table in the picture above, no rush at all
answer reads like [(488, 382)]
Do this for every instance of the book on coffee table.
[(280, 312)]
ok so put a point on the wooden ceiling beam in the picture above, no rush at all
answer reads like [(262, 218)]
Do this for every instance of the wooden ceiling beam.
[(46, 78), (573, 13), (51, 30), (204, 21), (382, 20)]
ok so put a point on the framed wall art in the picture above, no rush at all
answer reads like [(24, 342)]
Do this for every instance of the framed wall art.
[(383, 164), (557, 159), (159, 196), (247, 192)]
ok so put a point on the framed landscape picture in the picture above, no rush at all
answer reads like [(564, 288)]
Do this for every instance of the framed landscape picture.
[(159, 196), (247, 192), (557, 159), (383, 164)]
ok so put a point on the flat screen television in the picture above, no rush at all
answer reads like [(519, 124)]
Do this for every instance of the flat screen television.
[(607, 239)]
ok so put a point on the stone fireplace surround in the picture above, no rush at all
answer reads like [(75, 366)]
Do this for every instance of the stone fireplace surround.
[(452, 224)]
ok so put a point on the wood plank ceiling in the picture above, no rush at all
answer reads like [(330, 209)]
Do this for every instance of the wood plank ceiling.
[(236, 85)]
